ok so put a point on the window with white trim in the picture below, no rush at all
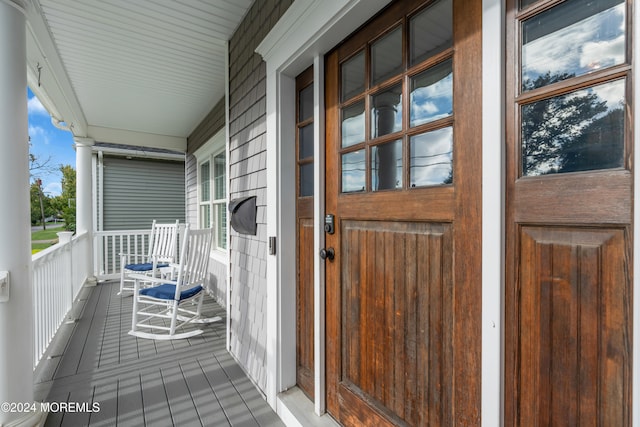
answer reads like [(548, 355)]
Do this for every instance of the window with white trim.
[(212, 190)]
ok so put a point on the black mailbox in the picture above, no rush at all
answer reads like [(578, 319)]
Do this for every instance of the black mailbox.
[(243, 215)]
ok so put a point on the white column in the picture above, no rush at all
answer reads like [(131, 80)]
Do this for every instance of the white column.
[(16, 312), (84, 196)]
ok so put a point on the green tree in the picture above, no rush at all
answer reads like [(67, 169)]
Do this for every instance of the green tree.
[(37, 209), (67, 200)]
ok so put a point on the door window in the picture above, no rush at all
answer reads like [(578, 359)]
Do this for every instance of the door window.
[(566, 124), (397, 117)]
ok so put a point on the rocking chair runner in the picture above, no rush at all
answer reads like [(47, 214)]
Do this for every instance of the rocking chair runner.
[(162, 252), (166, 299)]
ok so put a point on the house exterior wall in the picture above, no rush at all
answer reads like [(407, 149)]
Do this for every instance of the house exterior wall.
[(213, 123), (137, 191), (247, 177)]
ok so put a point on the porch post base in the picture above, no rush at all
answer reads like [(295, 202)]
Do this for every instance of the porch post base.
[(91, 281)]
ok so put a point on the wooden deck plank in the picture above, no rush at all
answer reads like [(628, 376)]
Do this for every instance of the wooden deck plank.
[(130, 411), (230, 400), (182, 407), (54, 419), (154, 399), (106, 395), (248, 392), (141, 382), (209, 410), (90, 359), (73, 353)]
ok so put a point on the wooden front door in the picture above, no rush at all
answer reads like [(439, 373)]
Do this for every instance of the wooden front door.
[(304, 229), (569, 209), (403, 179)]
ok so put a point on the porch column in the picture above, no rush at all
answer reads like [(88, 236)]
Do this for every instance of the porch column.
[(84, 198), (16, 312)]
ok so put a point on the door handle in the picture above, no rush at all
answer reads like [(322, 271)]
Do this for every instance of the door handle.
[(328, 253)]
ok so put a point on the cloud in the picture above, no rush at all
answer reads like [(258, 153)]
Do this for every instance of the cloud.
[(34, 106), (589, 44), (53, 189), (38, 135)]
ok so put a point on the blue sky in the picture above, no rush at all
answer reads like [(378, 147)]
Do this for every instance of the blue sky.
[(48, 142)]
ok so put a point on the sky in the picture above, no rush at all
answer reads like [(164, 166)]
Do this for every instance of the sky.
[(48, 142)]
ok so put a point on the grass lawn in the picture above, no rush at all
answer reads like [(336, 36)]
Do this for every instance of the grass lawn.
[(37, 247), (44, 235)]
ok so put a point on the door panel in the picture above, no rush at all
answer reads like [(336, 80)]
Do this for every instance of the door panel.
[(572, 345), (305, 342), (569, 193), (403, 179), (397, 316), (305, 374)]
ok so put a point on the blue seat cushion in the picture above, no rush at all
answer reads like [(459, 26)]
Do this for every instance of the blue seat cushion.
[(147, 266), (168, 291)]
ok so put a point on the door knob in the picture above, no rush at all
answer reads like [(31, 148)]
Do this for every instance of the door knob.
[(328, 253)]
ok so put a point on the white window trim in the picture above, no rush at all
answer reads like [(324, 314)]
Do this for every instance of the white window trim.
[(214, 146)]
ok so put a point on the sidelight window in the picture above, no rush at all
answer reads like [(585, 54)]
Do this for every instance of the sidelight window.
[(573, 81)]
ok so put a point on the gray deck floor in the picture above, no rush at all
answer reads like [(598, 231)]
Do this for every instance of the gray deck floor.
[(140, 382)]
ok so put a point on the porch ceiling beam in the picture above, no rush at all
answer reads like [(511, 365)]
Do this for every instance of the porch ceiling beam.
[(141, 139)]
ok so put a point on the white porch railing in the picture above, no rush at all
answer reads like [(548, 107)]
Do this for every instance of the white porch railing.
[(60, 271), (108, 245), (58, 274)]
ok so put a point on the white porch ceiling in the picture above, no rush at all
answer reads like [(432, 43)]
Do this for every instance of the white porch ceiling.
[(116, 69)]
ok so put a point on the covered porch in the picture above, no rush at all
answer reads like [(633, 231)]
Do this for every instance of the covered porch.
[(138, 76), (124, 380)]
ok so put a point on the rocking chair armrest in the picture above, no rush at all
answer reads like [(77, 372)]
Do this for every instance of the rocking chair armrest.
[(155, 280)]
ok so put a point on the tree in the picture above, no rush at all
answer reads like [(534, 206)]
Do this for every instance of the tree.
[(68, 197), (39, 165), (555, 130), (41, 206)]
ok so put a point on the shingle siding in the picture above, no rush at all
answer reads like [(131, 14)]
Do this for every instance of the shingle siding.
[(247, 158), (248, 177), (191, 189), (207, 128)]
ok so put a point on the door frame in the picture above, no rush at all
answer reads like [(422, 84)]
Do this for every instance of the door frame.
[(493, 250), (311, 28), (306, 31)]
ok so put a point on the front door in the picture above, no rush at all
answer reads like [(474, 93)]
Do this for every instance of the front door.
[(403, 179), (569, 209)]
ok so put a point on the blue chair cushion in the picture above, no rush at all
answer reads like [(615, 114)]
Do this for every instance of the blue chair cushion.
[(147, 266), (168, 292)]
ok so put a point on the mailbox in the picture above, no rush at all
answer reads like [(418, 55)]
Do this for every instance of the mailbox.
[(243, 215)]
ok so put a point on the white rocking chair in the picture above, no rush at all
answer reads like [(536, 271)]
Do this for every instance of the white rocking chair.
[(162, 252), (166, 299)]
